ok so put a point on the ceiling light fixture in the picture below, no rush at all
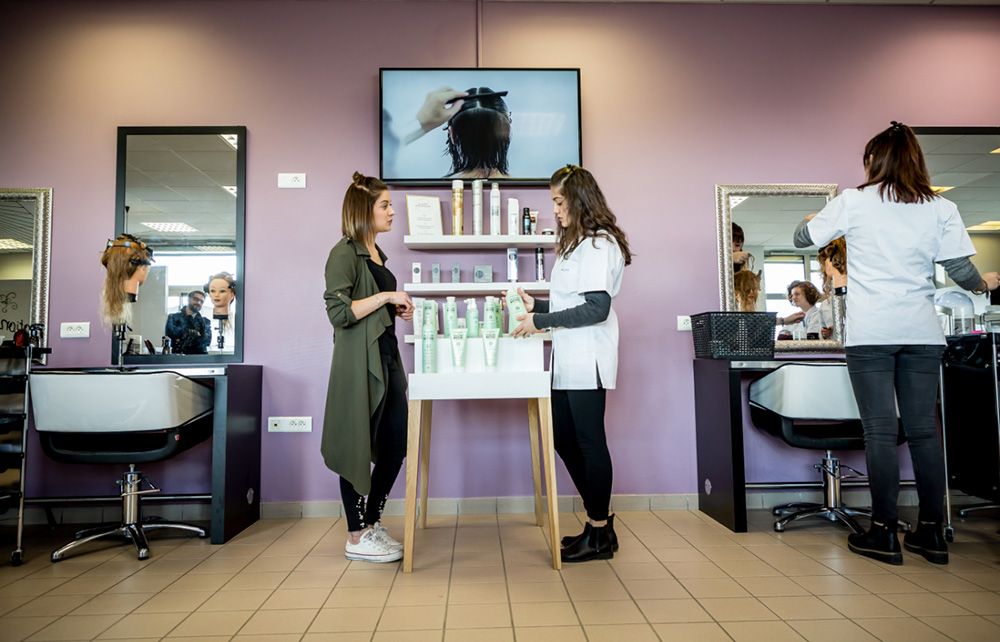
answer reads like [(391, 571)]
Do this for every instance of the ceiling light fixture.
[(232, 139), (11, 244), (170, 227), (230, 188), (941, 190)]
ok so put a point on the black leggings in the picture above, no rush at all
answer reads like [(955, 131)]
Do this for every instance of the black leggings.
[(578, 432), (388, 432)]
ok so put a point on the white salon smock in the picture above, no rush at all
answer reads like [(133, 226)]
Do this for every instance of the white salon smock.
[(579, 354), (891, 251)]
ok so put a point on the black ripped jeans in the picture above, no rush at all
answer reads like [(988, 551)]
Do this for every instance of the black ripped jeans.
[(579, 438), (881, 376), (388, 432)]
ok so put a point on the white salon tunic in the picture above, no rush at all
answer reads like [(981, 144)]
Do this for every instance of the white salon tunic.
[(579, 354), (891, 252)]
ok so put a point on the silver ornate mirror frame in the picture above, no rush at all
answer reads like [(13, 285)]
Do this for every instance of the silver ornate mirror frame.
[(724, 219), (39, 254)]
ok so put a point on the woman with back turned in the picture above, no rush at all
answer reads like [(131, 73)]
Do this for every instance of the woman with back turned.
[(897, 228)]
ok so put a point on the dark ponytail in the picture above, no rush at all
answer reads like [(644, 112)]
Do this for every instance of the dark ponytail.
[(893, 161)]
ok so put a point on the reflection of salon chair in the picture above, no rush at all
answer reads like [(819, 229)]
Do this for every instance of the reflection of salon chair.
[(812, 406), (121, 418)]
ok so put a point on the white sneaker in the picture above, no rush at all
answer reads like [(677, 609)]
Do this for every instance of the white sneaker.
[(371, 548), (383, 534)]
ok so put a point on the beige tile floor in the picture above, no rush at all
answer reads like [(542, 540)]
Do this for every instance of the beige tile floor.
[(679, 576)]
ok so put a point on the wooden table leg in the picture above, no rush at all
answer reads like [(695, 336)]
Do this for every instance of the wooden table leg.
[(425, 459), (536, 472), (412, 470), (549, 457)]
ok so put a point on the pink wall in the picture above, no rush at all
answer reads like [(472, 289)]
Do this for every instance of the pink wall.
[(676, 98)]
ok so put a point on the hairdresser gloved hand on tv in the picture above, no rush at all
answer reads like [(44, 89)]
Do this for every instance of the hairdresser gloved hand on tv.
[(436, 111)]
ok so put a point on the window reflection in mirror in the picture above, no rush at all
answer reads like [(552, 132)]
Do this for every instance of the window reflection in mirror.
[(181, 196)]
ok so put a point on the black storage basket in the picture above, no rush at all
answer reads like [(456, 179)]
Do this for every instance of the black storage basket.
[(733, 335)]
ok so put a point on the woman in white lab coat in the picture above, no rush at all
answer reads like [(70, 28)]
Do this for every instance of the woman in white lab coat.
[(590, 258)]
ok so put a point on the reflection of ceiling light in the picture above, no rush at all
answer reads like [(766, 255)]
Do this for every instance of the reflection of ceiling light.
[(736, 200), (170, 227), (985, 226), (232, 139), (940, 190), (996, 151), (216, 249), (11, 244), (230, 188)]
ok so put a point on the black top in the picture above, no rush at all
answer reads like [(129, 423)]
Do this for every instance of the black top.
[(386, 282), (189, 333)]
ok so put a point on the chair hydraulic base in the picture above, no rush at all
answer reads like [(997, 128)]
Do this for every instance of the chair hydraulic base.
[(965, 510), (832, 507), (132, 526)]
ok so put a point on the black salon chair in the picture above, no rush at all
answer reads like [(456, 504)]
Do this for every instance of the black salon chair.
[(812, 406), (151, 441)]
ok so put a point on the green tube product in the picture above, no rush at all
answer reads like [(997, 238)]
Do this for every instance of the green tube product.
[(430, 316), (491, 346), (450, 315), (418, 316), (499, 310), (428, 344), (458, 348), (490, 315), (515, 308), (472, 318)]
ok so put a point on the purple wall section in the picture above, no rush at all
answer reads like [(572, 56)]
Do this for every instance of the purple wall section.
[(676, 98)]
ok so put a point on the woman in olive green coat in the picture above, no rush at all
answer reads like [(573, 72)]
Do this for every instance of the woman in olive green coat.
[(365, 418)]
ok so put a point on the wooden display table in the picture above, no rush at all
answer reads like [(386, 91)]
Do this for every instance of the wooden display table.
[(533, 385)]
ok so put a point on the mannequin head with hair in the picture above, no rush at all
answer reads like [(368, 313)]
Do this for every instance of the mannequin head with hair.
[(367, 209), (221, 289), (746, 285), (126, 261), (479, 135)]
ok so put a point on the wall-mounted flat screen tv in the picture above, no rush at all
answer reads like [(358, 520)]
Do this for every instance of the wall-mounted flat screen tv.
[(505, 125)]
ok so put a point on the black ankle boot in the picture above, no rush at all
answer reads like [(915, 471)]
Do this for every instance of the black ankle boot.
[(593, 544), (569, 540), (879, 543), (927, 540)]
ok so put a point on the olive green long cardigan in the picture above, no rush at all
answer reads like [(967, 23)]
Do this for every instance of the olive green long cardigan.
[(356, 381)]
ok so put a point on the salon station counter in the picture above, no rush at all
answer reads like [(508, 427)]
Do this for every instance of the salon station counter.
[(720, 409), (235, 444)]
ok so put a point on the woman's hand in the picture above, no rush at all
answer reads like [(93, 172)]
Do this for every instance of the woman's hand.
[(794, 317), (403, 303), (740, 257), (826, 333), (434, 112), (527, 326), (992, 280)]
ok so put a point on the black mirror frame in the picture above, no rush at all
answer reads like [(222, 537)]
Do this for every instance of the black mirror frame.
[(241, 166)]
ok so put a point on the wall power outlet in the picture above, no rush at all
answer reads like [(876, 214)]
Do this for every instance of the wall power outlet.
[(74, 330), (289, 424), (683, 323)]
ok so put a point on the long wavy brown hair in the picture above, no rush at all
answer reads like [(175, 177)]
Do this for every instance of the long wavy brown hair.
[(893, 161), (836, 253), (589, 214), (746, 286), (357, 217), (121, 259)]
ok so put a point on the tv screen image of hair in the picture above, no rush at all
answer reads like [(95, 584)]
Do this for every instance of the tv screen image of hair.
[(515, 126)]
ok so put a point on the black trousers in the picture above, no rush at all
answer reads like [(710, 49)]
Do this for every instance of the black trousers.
[(881, 376), (388, 433), (578, 433)]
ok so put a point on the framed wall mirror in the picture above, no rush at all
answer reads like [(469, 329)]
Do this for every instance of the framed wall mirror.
[(964, 164), (181, 190), (25, 229), (767, 215)]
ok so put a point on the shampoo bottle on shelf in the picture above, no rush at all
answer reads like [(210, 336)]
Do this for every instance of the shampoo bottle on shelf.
[(428, 346), (515, 307), (513, 217), (495, 210), (450, 315), (477, 207), (472, 318)]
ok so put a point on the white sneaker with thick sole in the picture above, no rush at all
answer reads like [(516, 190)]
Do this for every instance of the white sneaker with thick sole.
[(383, 534), (371, 548)]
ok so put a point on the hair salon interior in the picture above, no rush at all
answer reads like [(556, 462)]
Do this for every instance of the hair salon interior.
[(688, 113)]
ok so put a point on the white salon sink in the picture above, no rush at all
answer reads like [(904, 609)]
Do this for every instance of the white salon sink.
[(114, 401)]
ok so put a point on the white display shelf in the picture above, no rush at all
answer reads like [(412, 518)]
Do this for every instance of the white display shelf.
[(462, 289), (479, 242), (479, 385)]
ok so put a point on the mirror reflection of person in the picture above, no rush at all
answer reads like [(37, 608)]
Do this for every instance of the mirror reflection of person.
[(366, 411), (832, 259), (126, 261), (189, 332), (741, 259), (897, 228), (746, 285), (805, 296), (590, 261)]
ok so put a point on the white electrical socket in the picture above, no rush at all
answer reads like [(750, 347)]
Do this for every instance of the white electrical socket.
[(683, 323), (286, 180), (77, 330), (289, 424)]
